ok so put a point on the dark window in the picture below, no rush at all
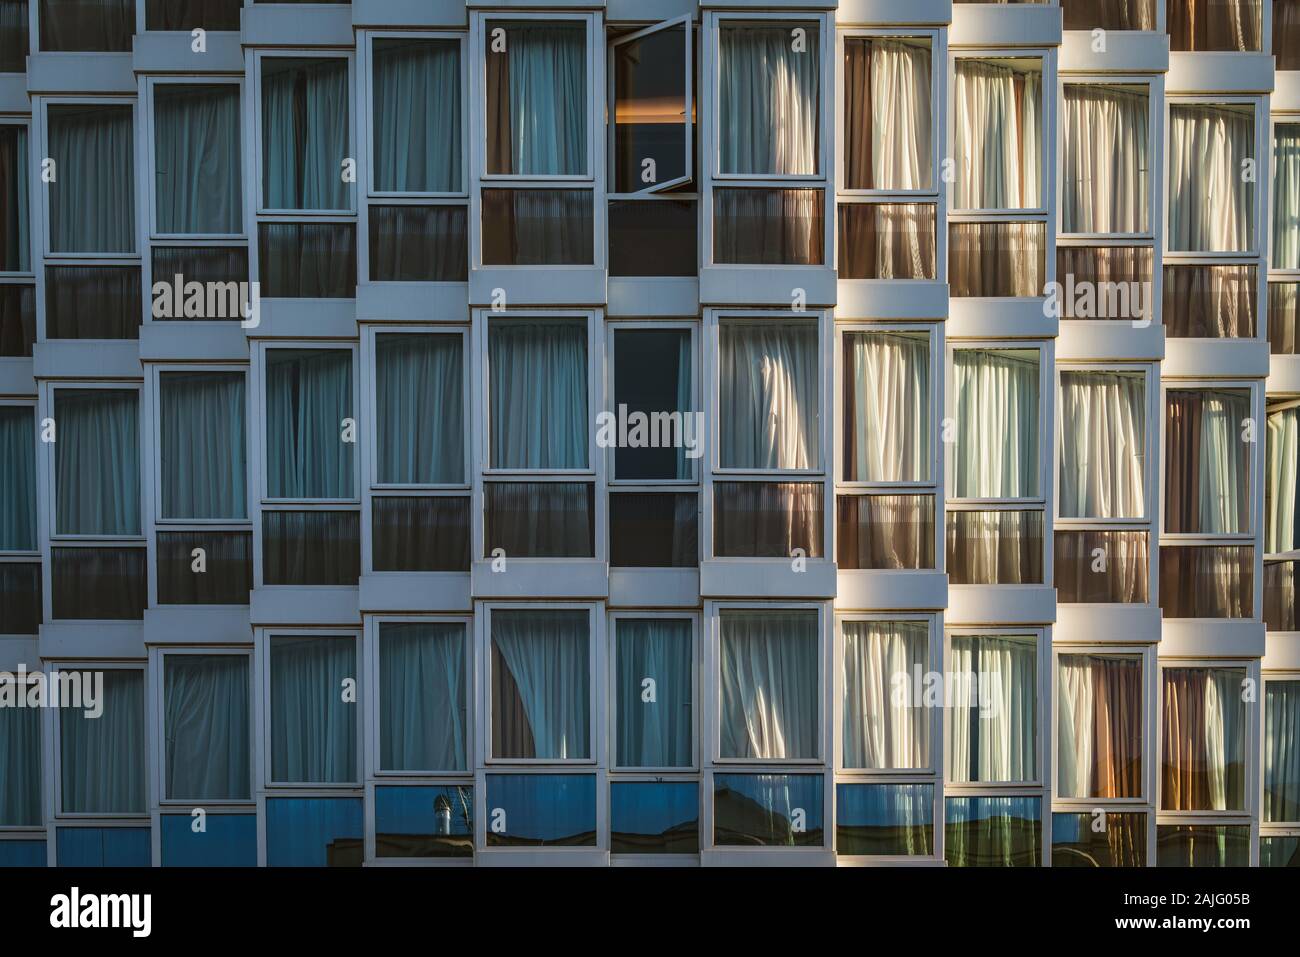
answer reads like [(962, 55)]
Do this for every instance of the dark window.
[(226, 579), (98, 583), (653, 529), (421, 533), (311, 548)]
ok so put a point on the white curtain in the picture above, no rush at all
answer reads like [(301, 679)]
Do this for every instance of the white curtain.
[(1211, 206), (18, 479), (1103, 445), (202, 445), (887, 113), (313, 727), (97, 461), (20, 766), (885, 727), (206, 727), (887, 394), (1203, 751), (654, 720), (417, 119), (1224, 464), (537, 378), (542, 656), (997, 126), (1286, 196), (422, 700), (992, 710), (1282, 520), (769, 96), (103, 759), (308, 396), (305, 131), (419, 409), (769, 686), (1106, 160), (198, 156), (769, 395), (997, 423), (1282, 751)]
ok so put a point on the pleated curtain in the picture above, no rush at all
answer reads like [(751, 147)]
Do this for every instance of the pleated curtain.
[(1203, 740), (419, 409), (20, 766), (305, 133), (992, 712), (887, 397), (1282, 481), (15, 202), (886, 724), (313, 729), (1207, 581), (97, 462), (1099, 726), (654, 723), (1225, 25), (1106, 175), (308, 395), (1206, 462), (202, 445), (996, 122), (1282, 751), (1286, 196), (1211, 207), (769, 685), (538, 394), (888, 120), (198, 157), (1284, 318), (92, 201), (537, 101), (541, 685), (768, 101), (769, 395), (103, 759), (206, 736), (417, 116), (422, 696), (1103, 445), (997, 423), (18, 479)]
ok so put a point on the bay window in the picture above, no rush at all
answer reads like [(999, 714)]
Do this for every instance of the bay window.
[(423, 696), (102, 760), (312, 719), (207, 709)]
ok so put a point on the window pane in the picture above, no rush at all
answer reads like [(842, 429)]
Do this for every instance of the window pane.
[(417, 121), (15, 216), (1283, 313), (769, 704), (103, 847), (654, 671), (1106, 168), (227, 572), (887, 118), (1203, 581), (885, 531), (97, 462), (537, 372), (424, 821), (1282, 480), (1105, 566), (1099, 726), (769, 227), (91, 26), (92, 203), (1196, 25), (418, 244), (997, 127), (419, 409), (887, 240), (20, 598), (767, 519), (995, 547), (103, 758), (769, 395), (1203, 739), (308, 396), (1286, 193), (654, 817), (996, 259), (1202, 845), (313, 727), (653, 237), (537, 99), (768, 810), (115, 291), (1207, 145), (307, 260), (1273, 851), (652, 393), (993, 832), (650, 109), (1279, 596), (18, 478), (311, 548), (1077, 843), (20, 757), (202, 445), (229, 841), (187, 14), (197, 155), (887, 407), (1286, 34), (18, 320), (1282, 751), (1209, 302), (654, 530), (883, 729), (314, 832), (993, 709), (13, 59), (1109, 14), (769, 98), (306, 129), (222, 271), (997, 447), (422, 696), (539, 519), (538, 227), (542, 810), (541, 685), (1103, 445), (1105, 282), (1207, 465), (98, 583), (884, 819), (206, 727), (420, 533)]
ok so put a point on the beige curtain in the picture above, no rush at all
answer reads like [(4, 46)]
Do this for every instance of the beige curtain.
[(886, 241), (995, 547), (887, 114), (1283, 309), (1122, 576), (1207, 581), (1203, 740)]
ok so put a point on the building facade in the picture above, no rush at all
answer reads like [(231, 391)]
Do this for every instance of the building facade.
[(646, 432)]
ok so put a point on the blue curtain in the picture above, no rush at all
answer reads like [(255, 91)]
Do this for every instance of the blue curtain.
[(538, 402), (417, 121), (103, 758), (654, 733), (97, 461), (206, 727), (92, 200), (537, 101), (308, 395), (422, 696), (420, 405), (197, 155), (20, 766), (305, 129), (541, 694), (313, 730), (202, 445), (17, 478)]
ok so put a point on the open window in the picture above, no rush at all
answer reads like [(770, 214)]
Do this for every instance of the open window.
[(652, 87)]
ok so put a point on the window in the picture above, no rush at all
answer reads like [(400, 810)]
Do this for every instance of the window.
[(1203, 739), (313, 719), (206, 720), (20, 588), (306, 133), (768, 810), (1202, 845), (1210, 302), (20, 756), (1280, 596), (993, 710), (116, 291), (202, 445), (17, 479), (92, 201), (769, 670), (229, 841), (1076, 842), (423, 708), (1105, 145), (654, 682), (1211, 205), (1286, 34), (17, 319), (882, 729), (540, 685), (884, 819), (103, 847), (654, 817), (102, 758), (1281, 478), (13, 46), (1108, 15), (1199, 25), (15, 215), (1281, 751), (1286, 196), (424, 822), (1100, 717), (308, 260), (314, 832), (197, 157), (308, 399), (542, 810), (1283, 309), (86, 26), (993, 831), (186, 15)]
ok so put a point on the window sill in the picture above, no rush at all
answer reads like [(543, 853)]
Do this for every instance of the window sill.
[(92, 639), (98, 73), (1127, 51), (731, 285), (920, 589), (1219, 72), (767, 578)]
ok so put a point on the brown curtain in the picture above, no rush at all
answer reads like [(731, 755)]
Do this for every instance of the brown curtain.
[(885, 531), (512, 733), (1201, 25), (499, 155), (767, 519), (995, 547), (1103, 264), (1117, 720), (1109, 14), (886, 241), (857, 114), (1279, 597), (1283, 307), (1209, 302), (1125, 575), (768, 227), (1207, 581), (1286, 34), (996, 259), (1183, 412)]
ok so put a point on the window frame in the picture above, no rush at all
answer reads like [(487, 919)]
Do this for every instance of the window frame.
[(1272, 828), (38, 555), (623, 773), (1275, 273)]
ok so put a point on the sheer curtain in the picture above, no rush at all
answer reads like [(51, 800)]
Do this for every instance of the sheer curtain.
[(305, 132), (537, 100), (885, 531), (1283, 318), (1099, 726), (767, 519), (1286, 34), (203, 451), (1106, 160), (538, 394), (419, 409), (887, 240), (1125, 578), (1211, 207), (996, 123), (422, 697), (769, 684), (313, 729), (317, 547), (654, 722), (80, 26), (1203, 747), (97, 462), (887, 405), (1207, 581), (885, 726), (1206, 462), (206, 727), (1103, 445), (1282, 519), (769, 227), (307, 260), (887, 114), (993, 831), (18, 478), (997, 423), (13, 36), (995, 546), (1281, 751), (1286, 196), (417, 120), (770, 401), (20, 766), (197, 155), (538, 227), (1210, 302), (993, 716), (768, 99), (103, 759), (92, 202), (308, 395), (15, 215), (541, 685)]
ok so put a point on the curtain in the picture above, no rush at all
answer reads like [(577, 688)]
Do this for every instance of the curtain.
[(993, 718), (995, 547), (539, 519), (97, 461), (541, 685), (206, 727), (537, 101), (202, 447), (417, 121), (419, 406), (1279, 597), (98, 583), (18, 320), (420, 533), (1207, 581), (769, 98), (769, 685), (997, 128), (885, 531), (1286, 195), (13, 36), (996, 259), (1209, 302), (887, 407), (886, 241), (1283, 313), (1206, 462), (197, 152), (18, 478), (422, 697), (103, 759), (1106, 163), (1203, 746), (90, 26), (1124, 576), (92, 201), (307, 260), (1103, 445), (20, 766), (654, 723), (1106, 268), (538, 394), (997, 423), (308, 395), (313, 727), (1109, 14), (538, 227), (767, 519), (305, 133), (15, 217), (115, 291), (885, 726), (1211, 208), (1099, 726), (1201, 25), (887, 115), (1286, 34), (768, 227), (1281, 481), (1282, 751), (20, 598), (769, 395), (884, 819), (418, 244), (311, 548)]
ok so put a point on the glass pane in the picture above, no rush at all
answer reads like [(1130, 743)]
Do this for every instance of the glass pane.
[(13, 59), (103, 847), (424, 821), (1207, 581), (307, 260), (996, 259), (1274, 851), (768, 810), (654, 817), (1104, 282), (186, 15), (15, 215), (306, 129), (541, 810), (654, 431), (206, 718), (97, 462), (308, 399), (18, 320), (422, 696), (884, 819), (115, 290), (541, 684), (653, 237), (650, 109), (1103, 445), (1282, 479), (1203, 739), (887, 240), (311, 548), (887, 114), (20, 756), (997, 126), (1208, 145), (538, 227), (1106, 169), (1207, 463), (1279, 597), (419, 409), (887, 407), (993, 832), (98, 583), (1099, 725), (1281, 751), (314, 832), (201, 282), (1197, 25), (418, 244), (1283, 310), (769, 227), (197, 158), (229, 841), (886, 724), (1286, 193), (769, 706), (202, 447), (767, 519), (20, 598), (1202, 845), (86, 26), (313, 723), (654, 671), (539, 519), (92, 202), (420, 534), (993, 709), (417, 120), (995, 547), (1120, 842), (537, 378), (103, 757), (654, 530), (1102, 566), (770, 416), (18, 438), (1209, 302), (884, 531), (1286, 34), (222, 575), (997, 445), (1109, 14)]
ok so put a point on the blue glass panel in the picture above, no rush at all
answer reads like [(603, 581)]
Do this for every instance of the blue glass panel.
[(649, 817), (993, 832), (884, 818), (229, 841), (103, 847), (768, 810), (541, 810), (313, 832), (22, 853), (424, 821)]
